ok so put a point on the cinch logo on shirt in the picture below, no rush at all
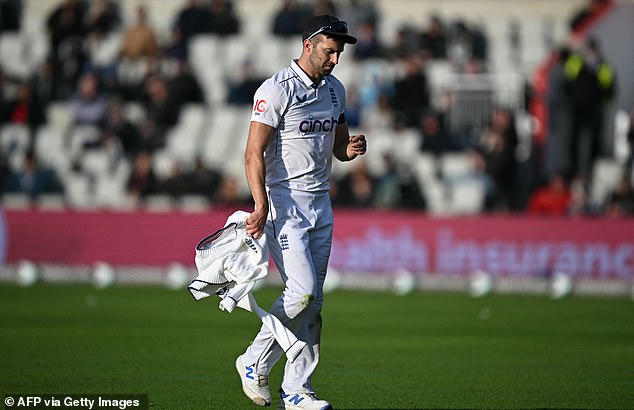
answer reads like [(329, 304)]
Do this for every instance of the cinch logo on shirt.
[(318, 125), (259, 106)]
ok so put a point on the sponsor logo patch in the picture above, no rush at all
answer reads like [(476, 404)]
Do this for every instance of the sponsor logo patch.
[(259, 106), (317, 125)]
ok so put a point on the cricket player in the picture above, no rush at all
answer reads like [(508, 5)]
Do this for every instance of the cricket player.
[(297, 124)]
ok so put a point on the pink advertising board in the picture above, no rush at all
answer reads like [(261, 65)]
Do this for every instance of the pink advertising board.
[(364, 241)]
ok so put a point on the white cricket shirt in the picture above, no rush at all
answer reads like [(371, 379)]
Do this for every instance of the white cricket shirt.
[(299, 154)]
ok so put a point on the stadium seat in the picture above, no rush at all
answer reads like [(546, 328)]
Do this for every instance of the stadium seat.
[(95, 163), (425, 168), (12, 55), (59, 116), (111, 188), (226, 134), (406, 145), (183, 141), (107, 50), (79, 137), (456, 165), (162, 164), (439, 76), (49, 147), (435, 197), (203, 52), (467, 197), (605, 178), (134, 112), (622, 147)]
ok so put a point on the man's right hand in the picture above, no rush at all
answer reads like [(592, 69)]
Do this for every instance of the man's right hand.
[(256, 221)]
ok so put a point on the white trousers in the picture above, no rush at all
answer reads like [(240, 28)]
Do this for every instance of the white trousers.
[(299, 233)]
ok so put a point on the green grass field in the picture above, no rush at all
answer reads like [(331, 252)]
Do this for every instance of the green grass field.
[(379, 351)]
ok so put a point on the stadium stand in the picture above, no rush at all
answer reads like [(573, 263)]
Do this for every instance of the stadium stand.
[(494, 47)]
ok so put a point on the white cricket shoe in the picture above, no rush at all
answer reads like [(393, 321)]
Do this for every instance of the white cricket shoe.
[(255, 386), (303, 401)]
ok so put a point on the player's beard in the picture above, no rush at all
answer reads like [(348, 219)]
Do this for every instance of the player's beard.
[(320, 67), (327, 69)]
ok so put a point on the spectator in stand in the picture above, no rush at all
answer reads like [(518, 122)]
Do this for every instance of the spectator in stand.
[(459, 44), (554, 199), (557, 103), (630, 140), (140, 40), (34, 180), (353, 108), (184, 86), (228, 193), (222, 18), (397, 188), (115, 127), (25, 109), (161, 108), (321, 7), (586, 12), (368, 45), (142, 181), (177, 182), (242, 88), (3, 97), (620, 202), (10, 15), (356, 188), (199, 181), (44, 85), (515, 44), (436, 140), (290, 19), (5, 172), (479, 44), (192, 20), (66, 22), (152, 137), (88, 105), (433, 41), (405, 44), (379, 115), (204, 181), (411, 93), (494, 157), (590, 82), (66, 30), (103, 18), (356, 12)]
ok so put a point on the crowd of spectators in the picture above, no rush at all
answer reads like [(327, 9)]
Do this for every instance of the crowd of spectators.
[(96, 95)]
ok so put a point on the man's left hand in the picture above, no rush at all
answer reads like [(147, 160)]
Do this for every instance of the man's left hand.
[(357, 145)]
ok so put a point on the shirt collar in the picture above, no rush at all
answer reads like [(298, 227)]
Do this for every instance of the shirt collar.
[(303, 76)]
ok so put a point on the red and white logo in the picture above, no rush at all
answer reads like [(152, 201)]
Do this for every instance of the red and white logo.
[(260, 106)]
